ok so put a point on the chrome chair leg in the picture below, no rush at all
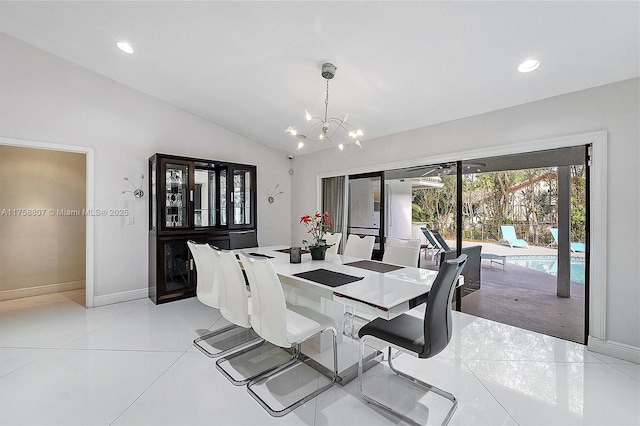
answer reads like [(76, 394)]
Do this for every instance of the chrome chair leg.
[(214, 333), (411, 379), (274, 369), (265, 378)]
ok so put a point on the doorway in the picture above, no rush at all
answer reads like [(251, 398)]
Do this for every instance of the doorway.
[(52, 238), (530, 213)]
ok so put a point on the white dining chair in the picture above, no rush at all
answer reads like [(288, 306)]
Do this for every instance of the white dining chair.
[(282, 326), (334, 241), (235, 307), (208, 286), (359, 247), (402, 252)]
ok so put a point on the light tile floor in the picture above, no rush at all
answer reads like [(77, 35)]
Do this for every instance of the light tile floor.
[(133, 363)]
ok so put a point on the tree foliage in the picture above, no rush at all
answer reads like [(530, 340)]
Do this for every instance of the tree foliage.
[(527, 199)]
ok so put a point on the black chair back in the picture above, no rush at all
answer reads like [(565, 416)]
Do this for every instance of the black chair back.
[(441, 240), (437, 318), (471, 271), (243, 239)]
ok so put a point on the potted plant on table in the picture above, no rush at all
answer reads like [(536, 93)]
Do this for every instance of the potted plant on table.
[(317, 225)]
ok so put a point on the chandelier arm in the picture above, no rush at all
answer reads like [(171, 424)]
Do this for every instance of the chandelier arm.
[(346, 127), (301, 124), (343, 124), (331, 139), (311, 129), (329, 126), (314, 125)]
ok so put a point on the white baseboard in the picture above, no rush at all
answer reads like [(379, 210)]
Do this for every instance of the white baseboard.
[(40, 290), (125, 296), (614, 349)]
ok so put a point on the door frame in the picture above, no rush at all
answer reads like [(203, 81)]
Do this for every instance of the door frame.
[(89, 194), (377, 254)]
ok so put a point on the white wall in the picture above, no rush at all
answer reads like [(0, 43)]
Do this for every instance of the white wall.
[(44, 98), (614, 108)]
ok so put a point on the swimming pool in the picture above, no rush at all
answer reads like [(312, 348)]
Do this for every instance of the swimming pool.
[(549, 264)]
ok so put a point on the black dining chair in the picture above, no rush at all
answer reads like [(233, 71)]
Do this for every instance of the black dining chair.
[(423, 338)]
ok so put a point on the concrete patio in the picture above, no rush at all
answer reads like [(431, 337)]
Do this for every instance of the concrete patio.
[(523, 297)]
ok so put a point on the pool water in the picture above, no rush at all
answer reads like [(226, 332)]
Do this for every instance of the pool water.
[(549, 265)]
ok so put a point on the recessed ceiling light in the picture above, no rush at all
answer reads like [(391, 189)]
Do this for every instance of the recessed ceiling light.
[(124, 46), (529, 65)]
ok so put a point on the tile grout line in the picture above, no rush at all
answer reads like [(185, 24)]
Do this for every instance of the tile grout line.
[(64, 346), (52, 350), (623, 371), (485, 386), (116, 317), (148, 387)]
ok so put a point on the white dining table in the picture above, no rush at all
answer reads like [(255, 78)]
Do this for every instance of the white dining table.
[(382, 294), (377, 294)]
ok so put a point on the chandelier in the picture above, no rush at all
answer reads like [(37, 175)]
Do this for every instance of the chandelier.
[(334, 130)]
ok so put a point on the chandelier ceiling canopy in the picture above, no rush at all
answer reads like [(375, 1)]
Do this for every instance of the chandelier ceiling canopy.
[(331, 129)]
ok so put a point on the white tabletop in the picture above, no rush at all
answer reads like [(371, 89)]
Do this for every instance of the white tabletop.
[(383, 294)]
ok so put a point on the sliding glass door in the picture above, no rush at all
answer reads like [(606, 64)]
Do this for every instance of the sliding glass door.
[(522, 220)]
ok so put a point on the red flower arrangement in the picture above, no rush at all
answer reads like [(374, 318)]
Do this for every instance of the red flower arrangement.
[(317, 225)]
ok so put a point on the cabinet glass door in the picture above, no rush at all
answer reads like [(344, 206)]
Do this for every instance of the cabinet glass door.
[(176, 266), (242, 195), (204, 198), (177, 195)]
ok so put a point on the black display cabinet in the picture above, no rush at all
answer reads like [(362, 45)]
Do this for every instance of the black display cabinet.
[(193, 199)]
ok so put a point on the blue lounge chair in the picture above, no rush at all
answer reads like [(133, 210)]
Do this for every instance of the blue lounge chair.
[(509, 235), (581, 247)]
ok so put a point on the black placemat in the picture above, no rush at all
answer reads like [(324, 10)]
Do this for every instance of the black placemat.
[(374, 266), (260, 255), (288, 250), (326, 277)]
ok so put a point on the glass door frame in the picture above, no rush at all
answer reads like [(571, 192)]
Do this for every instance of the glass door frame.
[(162, 174), (215, 168), (377, 253), (251, 199)]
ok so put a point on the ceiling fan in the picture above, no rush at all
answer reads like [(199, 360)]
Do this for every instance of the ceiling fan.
[(451, 168)]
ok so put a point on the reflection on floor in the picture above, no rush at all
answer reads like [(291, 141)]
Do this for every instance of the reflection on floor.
[(133, 363)]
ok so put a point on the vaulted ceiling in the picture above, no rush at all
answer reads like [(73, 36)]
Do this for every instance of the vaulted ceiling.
[(254, 67)]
